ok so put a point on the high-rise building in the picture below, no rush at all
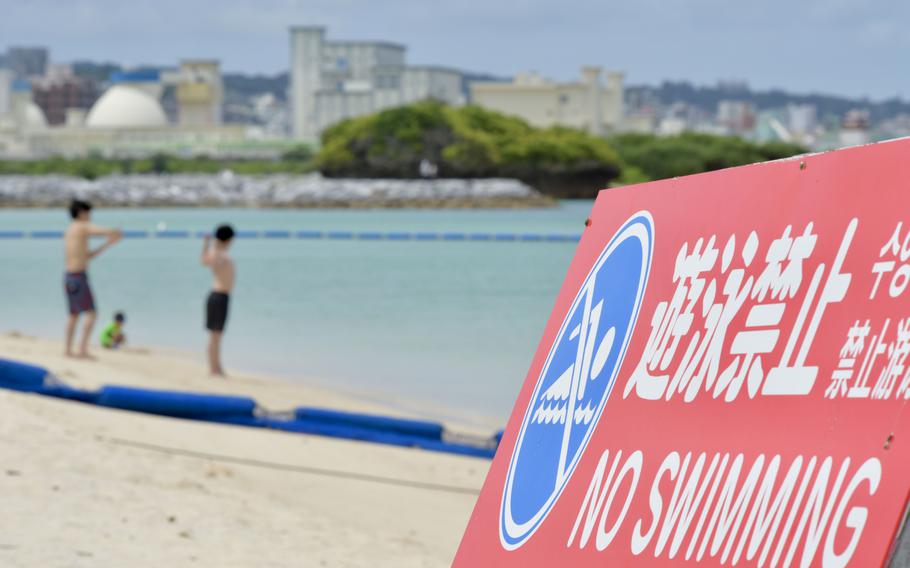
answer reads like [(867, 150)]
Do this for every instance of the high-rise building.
[(736, 117), (27, 61), (854, 128), (59, 91), (200, 92), (6, 87), (589, 104), (802, 118), (333, 80)]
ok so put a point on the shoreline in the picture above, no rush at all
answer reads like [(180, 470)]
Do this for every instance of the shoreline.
[(310, 191), (537, 202), (274, 391), (109, 483)]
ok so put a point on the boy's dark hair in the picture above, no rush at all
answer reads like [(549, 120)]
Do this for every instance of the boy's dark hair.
[(224, 233), (119, 317), (78, 205)]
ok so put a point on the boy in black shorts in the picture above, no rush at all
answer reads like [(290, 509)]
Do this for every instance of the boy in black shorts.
[(215, 256)]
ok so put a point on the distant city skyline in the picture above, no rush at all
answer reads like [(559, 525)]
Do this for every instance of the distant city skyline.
[(841, 47)]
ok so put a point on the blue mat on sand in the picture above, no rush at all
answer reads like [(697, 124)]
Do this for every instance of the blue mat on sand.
[(243, 411), (177, 404), (401, 426)]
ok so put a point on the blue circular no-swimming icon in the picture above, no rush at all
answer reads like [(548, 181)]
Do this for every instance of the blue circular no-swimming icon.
[(576, 380)]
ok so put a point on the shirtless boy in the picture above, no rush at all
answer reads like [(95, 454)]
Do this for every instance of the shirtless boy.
[(215, 256), (75, 281)]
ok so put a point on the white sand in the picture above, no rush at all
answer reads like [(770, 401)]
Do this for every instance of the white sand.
[(87, 486)]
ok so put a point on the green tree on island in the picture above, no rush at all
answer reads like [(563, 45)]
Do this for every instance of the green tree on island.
[(467, 142), (471, 142), (648, 157)]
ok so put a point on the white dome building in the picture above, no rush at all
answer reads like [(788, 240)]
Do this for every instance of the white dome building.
[(123, 106), (34, 118)]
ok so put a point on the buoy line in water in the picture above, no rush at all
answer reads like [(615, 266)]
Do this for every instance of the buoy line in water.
[(316, 235)]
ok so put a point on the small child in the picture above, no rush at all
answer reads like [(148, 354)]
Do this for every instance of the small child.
[(112, 335)]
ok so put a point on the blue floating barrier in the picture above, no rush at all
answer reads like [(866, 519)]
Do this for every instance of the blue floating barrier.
[(46, 234), (237, 420), (177, 404), (172, 234), (308, 234), (70, 393), (420, 428), (345, 431), (21, 376), (239, 410), (562, 238)]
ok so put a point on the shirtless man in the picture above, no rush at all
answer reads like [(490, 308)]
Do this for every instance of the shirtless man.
[(215, 256), (75, 281)]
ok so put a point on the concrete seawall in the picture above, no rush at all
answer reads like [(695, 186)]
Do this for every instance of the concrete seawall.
[(230, 190)]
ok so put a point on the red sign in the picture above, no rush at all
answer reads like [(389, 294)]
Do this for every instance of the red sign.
[(722, 380)]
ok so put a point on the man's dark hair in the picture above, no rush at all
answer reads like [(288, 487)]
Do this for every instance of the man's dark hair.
[(224, 233), (78, 205), (119, 317)]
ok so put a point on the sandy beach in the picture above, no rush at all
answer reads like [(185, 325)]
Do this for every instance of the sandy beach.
[(88, 486)]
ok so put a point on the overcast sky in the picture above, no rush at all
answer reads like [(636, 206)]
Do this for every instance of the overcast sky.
[(848, 47)]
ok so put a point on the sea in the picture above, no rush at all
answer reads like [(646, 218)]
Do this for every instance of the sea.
[(436, 326)]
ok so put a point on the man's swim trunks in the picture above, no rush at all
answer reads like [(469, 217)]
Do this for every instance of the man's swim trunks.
[(78, 292), (216, 311)]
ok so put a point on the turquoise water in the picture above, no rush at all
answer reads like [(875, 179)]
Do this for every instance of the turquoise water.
[(450, 323)]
